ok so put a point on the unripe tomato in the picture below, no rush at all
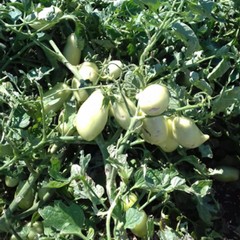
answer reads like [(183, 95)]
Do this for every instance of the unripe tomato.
[(27, 200), (229, 174), (36, 229), (113, 70), (73, 48), (140, 229), (155, 130), (81, 94), (187, 133), (46, 18), (120, 111), (170, 144), (92, 116), (54, 98), (154, 99), (11, 181), (89, 71), (128, 201)]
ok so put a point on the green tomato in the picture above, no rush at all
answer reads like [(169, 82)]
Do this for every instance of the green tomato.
[(187, 134), (26, 201), (229, 174), (170, 144), (113, 70), (36, 229), (73, 48), (89, 71), (155, 130), (120, 112), (11, 181), (140, 229), (54, 98), (153, 100), (92, 116), (128, 201)]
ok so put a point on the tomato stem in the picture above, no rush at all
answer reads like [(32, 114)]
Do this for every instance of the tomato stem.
[(154, 38), (61, 58)]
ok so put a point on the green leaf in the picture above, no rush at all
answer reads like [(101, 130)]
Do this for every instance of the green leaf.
[(226, 98), (187, 35), (54, 172), (156, 180), (219, 70), (27, 4), (84, 161), (20, 118), (133, 218), (196, 163), (169, 234), (206, 210), (56, 184), (207, 5), (200, 83), (37, 74), (206, 151), (66, 219), (202, 187), (152, 4)]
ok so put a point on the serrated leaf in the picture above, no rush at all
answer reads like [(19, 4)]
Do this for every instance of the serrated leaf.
[(66, 219), (155, 180)]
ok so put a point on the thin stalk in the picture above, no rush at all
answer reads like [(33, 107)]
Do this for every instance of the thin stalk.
[(202, 104), (61, 58), (109, 215), (152, 41)]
